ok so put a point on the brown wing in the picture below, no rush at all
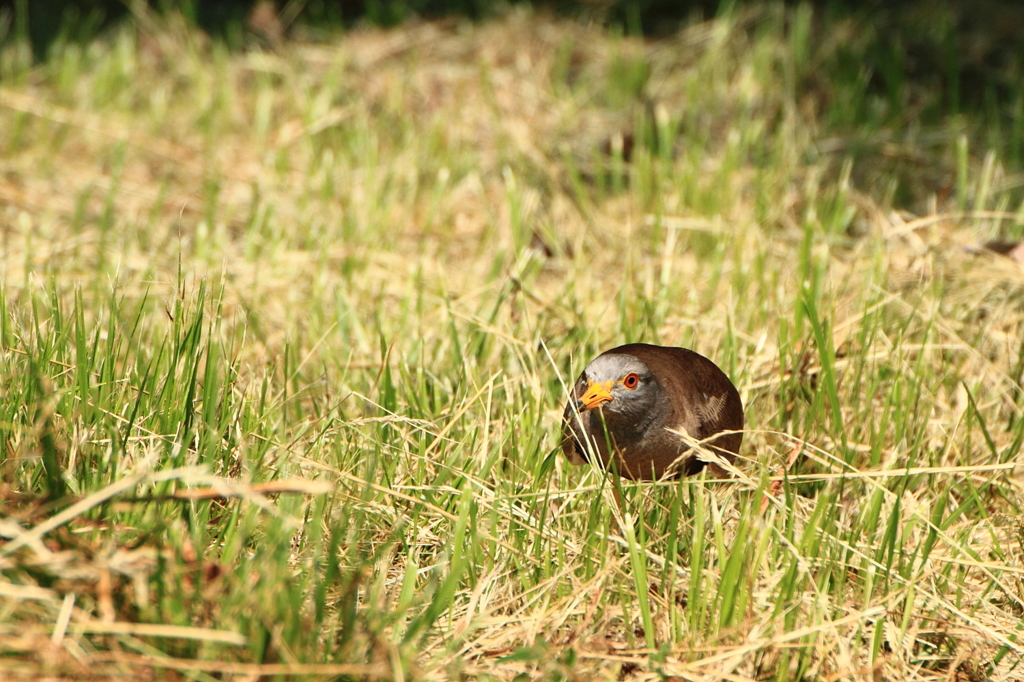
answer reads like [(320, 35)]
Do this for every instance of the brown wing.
[(704, 400)]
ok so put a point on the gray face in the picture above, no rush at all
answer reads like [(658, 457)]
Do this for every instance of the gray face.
[(634, 390)]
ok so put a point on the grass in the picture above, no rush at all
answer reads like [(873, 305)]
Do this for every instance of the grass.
[(285, 336)]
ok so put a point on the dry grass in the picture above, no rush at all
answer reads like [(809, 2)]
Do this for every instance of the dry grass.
[(230, 278)]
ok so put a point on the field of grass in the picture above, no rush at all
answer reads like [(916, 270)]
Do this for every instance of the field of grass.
[(285, 334)]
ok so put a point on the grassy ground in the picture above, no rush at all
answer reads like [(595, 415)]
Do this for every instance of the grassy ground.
[(285, 332)]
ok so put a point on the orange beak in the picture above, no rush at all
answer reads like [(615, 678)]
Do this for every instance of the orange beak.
[(597, 394)]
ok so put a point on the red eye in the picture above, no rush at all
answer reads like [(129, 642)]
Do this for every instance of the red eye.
[(631, 380)]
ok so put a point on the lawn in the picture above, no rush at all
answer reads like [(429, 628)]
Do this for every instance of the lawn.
[(286, 331)]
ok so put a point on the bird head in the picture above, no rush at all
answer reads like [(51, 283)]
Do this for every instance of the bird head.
[(621, 385)]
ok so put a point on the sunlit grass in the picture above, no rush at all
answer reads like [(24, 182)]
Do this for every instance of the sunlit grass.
[(375, 264)]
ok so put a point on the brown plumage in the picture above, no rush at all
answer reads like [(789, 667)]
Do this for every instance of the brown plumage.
[(642, 391)]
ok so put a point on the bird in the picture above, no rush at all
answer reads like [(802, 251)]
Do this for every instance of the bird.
[(629, 400)]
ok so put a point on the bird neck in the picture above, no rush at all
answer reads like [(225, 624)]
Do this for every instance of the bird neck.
[(635, 426)]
